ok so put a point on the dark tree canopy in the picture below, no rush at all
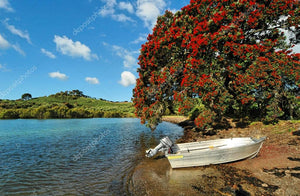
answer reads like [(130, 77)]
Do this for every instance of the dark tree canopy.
[(26, 96), (232, 55), (73, 94)]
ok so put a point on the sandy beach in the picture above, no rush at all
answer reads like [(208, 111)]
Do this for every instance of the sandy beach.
[(275, 171)]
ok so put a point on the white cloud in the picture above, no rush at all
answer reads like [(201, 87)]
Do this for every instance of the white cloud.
[(109, 10), (4, 4), (128, 57), (129, 60), (48, 53), (92, 80), (18, 32), (174, 10), (121, 17), (149, 10), (126, 6), (18, 49), (142, 38), (58, 75), (74, 49), (127, 78), (4, 44)]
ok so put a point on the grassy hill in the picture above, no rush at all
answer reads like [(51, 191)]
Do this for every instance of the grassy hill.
[(64, 105)]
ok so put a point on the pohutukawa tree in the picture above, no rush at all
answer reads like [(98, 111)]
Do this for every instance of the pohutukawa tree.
[(233, 55)]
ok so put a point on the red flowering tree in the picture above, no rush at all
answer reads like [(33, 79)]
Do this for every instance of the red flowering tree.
[(230, 54)]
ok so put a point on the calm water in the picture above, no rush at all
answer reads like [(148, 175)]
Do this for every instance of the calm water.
[(73, 157)]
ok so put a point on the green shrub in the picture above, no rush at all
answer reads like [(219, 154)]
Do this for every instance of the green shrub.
[(9, 114)]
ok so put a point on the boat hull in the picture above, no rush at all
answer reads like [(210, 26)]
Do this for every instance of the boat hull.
[(214, 152)]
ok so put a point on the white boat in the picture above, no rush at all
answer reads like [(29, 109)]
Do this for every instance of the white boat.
[(207, 152)]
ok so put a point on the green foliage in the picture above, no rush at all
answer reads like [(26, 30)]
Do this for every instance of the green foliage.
[(25, 113), (198, 109), (229, 54), (69, 104), (9, 114)]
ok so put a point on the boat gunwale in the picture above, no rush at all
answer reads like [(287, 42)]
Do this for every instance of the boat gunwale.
[(215, 148)]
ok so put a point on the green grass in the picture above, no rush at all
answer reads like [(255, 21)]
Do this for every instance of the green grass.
[(64, 106)]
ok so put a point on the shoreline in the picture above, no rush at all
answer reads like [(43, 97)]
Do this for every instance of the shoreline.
[(274, 171)]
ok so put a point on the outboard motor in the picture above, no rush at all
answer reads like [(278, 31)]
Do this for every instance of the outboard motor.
[(164, 146)]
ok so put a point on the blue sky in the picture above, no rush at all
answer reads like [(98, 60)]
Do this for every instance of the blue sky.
[(92, 45), (49, 46)]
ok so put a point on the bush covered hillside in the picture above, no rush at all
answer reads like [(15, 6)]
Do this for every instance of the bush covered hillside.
[(68, 104)]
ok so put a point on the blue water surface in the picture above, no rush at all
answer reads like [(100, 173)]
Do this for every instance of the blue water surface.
[(73, 156)]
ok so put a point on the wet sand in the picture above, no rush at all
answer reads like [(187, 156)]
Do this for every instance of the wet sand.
[(275, 171)]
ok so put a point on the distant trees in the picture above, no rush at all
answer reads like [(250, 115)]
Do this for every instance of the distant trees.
[(74, 94), (26, 96), (231, 56)]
